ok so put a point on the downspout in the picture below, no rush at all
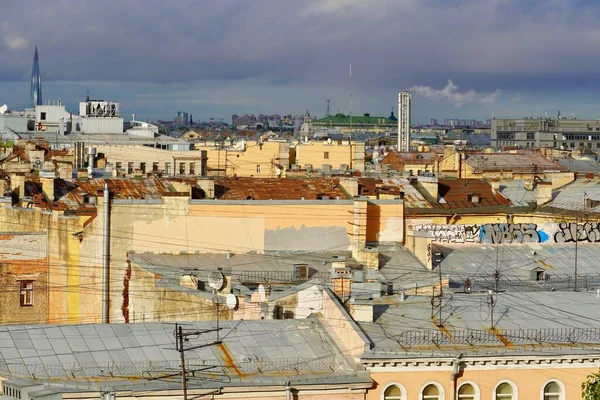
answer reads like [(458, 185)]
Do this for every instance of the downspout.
[(106, 258), (455, 370)]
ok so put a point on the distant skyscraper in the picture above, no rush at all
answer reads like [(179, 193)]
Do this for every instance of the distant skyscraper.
[(35, 95), (403, 121)]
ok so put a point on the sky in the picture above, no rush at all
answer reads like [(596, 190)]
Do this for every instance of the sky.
[(214, 58)]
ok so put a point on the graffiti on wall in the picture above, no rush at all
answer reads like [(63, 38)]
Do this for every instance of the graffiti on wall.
[(563, 232)]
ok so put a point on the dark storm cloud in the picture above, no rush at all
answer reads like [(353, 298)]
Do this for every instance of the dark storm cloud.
[(513, 46)]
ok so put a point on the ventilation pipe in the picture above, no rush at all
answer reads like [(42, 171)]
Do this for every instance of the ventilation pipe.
[(91, 152), (106, 257)]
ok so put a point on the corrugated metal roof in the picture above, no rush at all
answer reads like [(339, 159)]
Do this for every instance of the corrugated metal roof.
[(249, 350), (530, 162), (523, 322), (278, 189)]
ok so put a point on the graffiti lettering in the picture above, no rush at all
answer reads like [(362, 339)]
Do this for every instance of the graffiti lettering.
[(509, 233), (569, 232), (451, 233), (564, 232)]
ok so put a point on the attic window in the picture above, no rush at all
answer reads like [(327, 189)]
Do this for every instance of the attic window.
[(539, 276), (300, 271), (473, 198)]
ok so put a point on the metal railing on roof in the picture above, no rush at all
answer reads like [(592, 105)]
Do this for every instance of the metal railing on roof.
[(159, 369), (503, 337), (280, 276)]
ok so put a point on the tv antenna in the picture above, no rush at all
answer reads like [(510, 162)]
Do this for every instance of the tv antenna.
[(491, 300)]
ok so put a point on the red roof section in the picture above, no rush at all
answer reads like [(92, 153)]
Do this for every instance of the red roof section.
[(468, 193), (278, 189)]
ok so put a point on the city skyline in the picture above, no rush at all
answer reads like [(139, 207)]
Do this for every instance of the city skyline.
[(233, 66)]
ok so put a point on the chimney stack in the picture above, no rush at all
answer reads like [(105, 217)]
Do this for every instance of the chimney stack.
[(17, 185), (543, 192), (430, 183)]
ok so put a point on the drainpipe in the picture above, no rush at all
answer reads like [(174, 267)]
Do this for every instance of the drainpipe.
[(455, 370), (106, 257)]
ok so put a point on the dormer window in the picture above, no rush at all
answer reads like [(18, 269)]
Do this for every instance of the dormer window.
[(473, 198)]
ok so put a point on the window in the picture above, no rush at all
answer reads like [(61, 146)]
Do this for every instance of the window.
[(466, 392), (530, 136), (393, 392), (167, 168), (504, 391), (130, 168), (431, 392), (43, 116), (258, 169), (326, 155), (181, 168), (118, 165), (26, 293), (553, 391), (154, 167), (143, 167), (192, 168)]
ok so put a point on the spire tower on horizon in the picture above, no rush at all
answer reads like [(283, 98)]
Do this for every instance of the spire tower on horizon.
[(35, 94)]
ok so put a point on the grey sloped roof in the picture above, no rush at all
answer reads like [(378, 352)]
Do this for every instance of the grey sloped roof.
[(524, 323), (250, 351), (517, 193), (516, 263), (571, 197)]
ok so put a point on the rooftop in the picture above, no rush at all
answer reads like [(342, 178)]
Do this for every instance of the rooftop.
[(524, 323), (135, 354), (278, 189), (400, 187), (468, 193), (517, 264), (516, 162)]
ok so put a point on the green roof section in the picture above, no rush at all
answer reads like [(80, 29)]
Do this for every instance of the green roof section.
[(366, 119)]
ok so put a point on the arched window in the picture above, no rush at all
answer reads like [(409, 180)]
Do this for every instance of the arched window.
[(430, 392), (553, 391), (393, 392), (504, 391), (466, 392)]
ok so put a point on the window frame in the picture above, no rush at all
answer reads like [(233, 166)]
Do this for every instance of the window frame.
[(442, 394), (475, 388), (515, 389), (561, 385), (398, 385), (23, 291)]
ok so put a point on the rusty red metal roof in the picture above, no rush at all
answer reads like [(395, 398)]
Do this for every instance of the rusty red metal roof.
[(468, 193), (278, 189)]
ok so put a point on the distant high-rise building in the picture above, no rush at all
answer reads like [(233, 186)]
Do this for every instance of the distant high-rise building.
[(35, 94), (182, 118), (403, 121)]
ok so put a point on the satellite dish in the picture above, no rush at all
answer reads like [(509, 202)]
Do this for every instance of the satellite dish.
[(231, 301), (216, 280), (262, 293)]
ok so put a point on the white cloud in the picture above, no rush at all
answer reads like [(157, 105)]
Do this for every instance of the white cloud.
[(451, 93), (14, 42)]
